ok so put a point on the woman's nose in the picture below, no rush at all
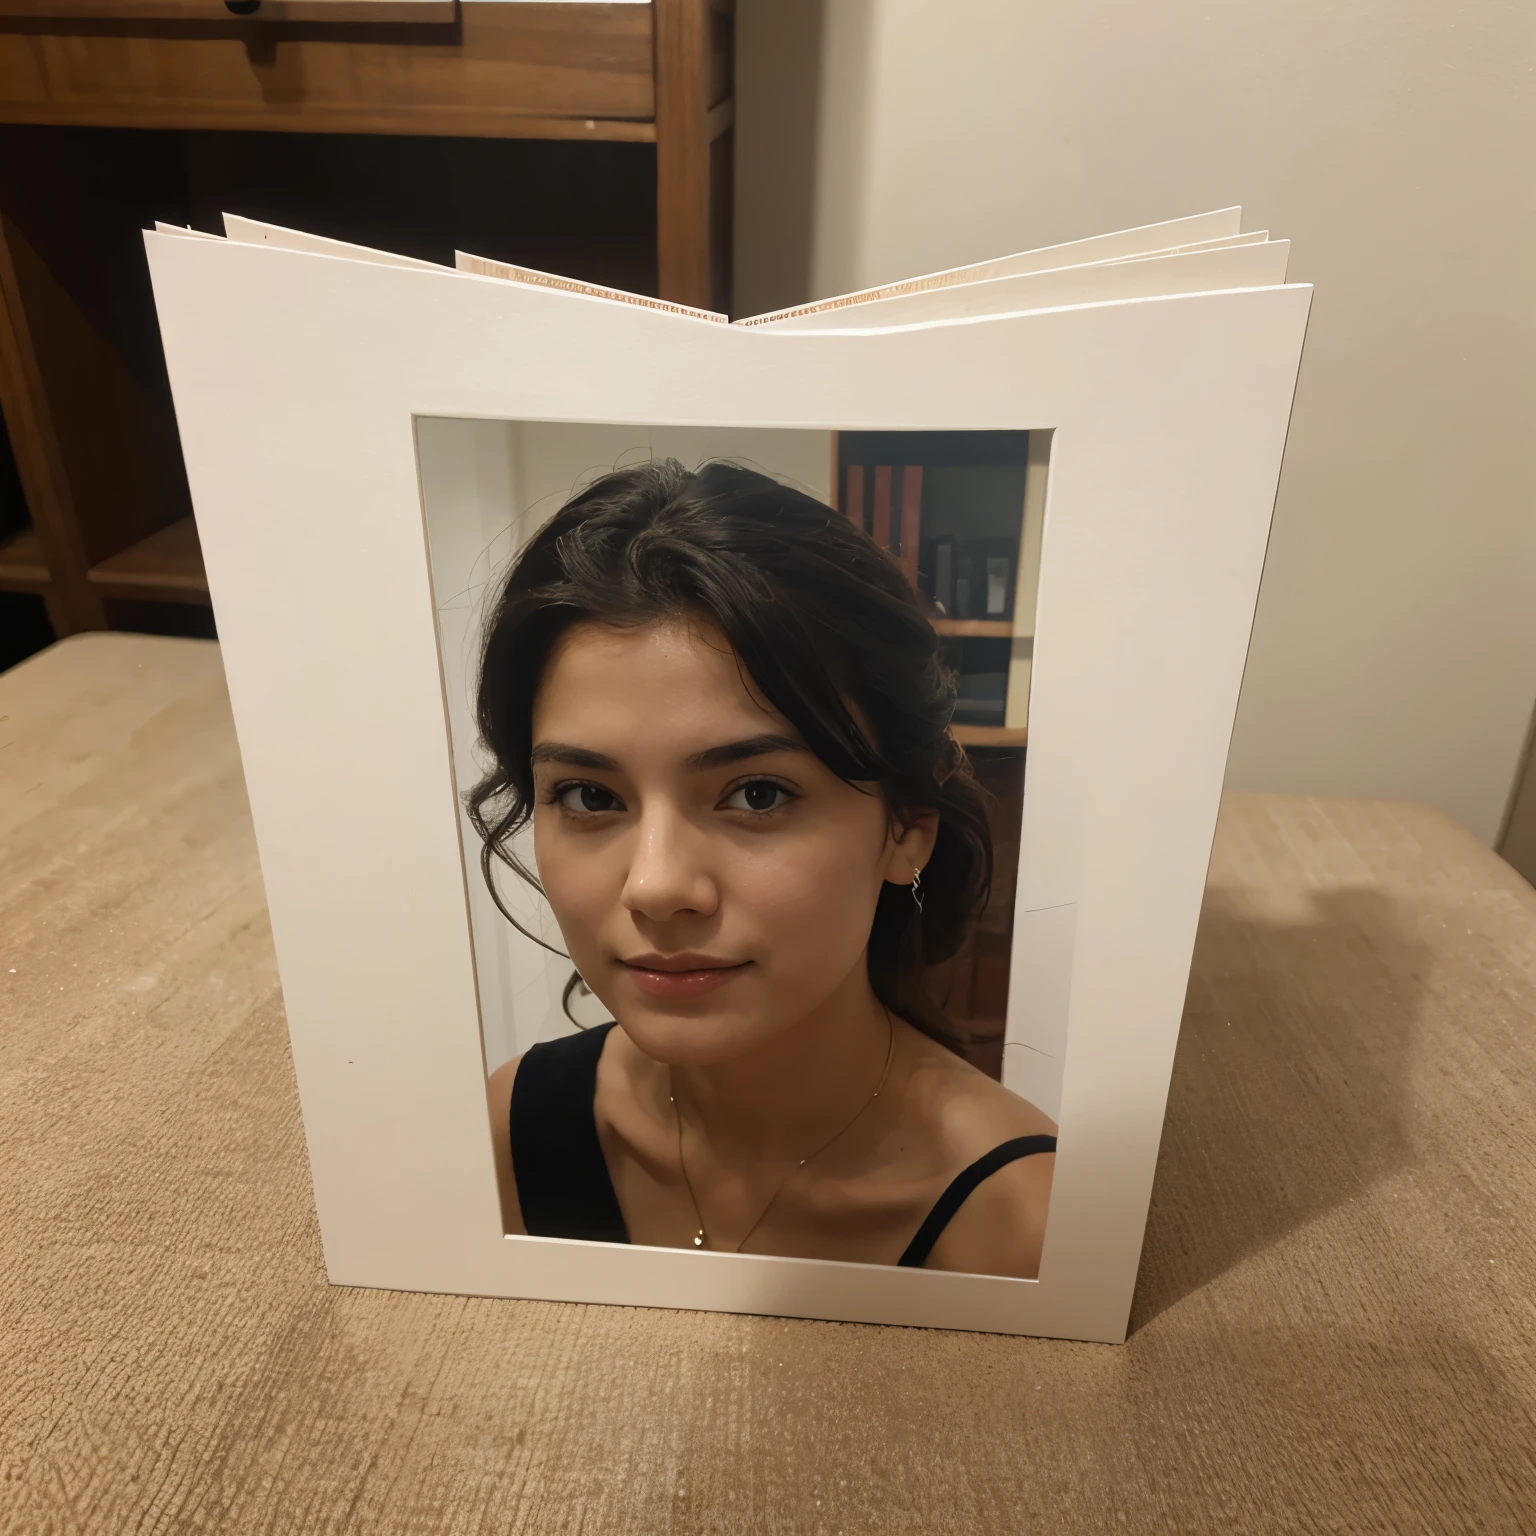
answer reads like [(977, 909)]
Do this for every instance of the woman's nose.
[(667, 871)]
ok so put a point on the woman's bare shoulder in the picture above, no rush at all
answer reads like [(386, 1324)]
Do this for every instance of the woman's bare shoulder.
[(973, 1111), (1000, 1229), (498, 1092), (499, 1083)]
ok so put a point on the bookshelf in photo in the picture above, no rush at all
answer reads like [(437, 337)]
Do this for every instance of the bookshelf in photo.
[(963, 512)]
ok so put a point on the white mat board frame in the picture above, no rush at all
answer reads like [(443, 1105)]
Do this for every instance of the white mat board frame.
[(296, 379)]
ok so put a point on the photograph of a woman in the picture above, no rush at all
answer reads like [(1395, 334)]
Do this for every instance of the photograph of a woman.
[(724, 713)]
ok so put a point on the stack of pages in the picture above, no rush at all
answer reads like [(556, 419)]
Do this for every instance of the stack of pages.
[(1203, 253)]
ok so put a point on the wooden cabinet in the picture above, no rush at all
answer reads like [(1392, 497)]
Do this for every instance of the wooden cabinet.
[(593, 139)]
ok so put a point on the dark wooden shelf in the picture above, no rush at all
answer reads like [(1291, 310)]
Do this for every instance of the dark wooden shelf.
[(22, 567), (117, 113), (524, 70), (216, 12), (993, 629), (167, 567), (991, 735)]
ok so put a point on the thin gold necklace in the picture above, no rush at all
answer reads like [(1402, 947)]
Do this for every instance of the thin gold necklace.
[(701, 1238)]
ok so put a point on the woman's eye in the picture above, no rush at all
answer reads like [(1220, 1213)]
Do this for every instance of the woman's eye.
[(587, 799), (758, 795)]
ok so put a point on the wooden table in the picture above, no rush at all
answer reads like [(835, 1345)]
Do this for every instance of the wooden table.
[(1333, 1329)]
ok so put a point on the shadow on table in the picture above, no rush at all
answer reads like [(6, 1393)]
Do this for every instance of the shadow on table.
[(1289, 1086)]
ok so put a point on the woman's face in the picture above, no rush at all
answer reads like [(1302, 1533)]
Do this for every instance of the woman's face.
[(714, 881)]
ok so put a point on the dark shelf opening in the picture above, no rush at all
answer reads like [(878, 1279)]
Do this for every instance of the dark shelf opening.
[(974, 985), (193, 621), (75, 201), (24, 627)]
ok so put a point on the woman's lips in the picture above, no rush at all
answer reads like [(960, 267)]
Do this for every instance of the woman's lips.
[(671, 985)]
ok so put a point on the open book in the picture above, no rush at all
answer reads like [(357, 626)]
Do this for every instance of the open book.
[(1072, 455), (1202, 253)]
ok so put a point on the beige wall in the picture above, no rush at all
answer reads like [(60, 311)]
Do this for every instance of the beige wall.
[(1392, 142)]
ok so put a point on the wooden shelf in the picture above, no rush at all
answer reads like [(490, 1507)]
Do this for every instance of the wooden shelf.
[(992, 629), (167, 567), (22, 567), (387, 12), (990, 735), (86, 405), (518, 70)]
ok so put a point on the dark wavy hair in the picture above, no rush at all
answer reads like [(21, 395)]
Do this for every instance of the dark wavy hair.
[(828, 629)]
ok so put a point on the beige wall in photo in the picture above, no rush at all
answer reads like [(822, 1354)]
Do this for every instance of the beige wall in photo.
[(1391, 141)]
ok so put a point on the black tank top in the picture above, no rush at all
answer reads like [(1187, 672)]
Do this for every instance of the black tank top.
[(563, 1185)]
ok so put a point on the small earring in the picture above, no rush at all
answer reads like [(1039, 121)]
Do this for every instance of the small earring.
[(917, 895)]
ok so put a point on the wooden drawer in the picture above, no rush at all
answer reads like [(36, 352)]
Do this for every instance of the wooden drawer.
[(518, 70), (229, 11)]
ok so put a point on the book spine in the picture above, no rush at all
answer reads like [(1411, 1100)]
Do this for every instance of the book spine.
[(1026, 585), (882, 523), (853, 501), (997, 586), (911, 520)]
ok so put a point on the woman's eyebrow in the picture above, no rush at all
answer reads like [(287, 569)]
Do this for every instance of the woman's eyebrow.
[(750, 746), (572, 757)]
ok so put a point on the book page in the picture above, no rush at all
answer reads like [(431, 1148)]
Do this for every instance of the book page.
[(162, 228), (1243, 266), (1170, 234), (254, 232), (1253, 237), (482, 266)]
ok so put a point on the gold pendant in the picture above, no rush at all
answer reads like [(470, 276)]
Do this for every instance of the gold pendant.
[(698, 1242)]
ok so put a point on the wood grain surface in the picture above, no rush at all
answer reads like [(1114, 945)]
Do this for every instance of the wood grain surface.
[(683, 100), (518, 70), (1333, 1330), (218, 12), (166, 567)]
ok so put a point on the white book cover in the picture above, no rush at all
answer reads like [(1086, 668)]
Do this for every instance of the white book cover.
[(1062, 466)]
